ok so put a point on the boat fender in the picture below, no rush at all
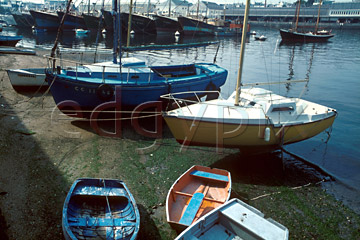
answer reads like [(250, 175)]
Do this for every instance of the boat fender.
[(105, 92), (267, 134), (211, 87), (212, 95)]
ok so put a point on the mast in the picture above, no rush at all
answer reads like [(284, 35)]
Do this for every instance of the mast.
[(89, 7), (297, 15), (115, 23), (318, 18), (129, 27), (242, 50), (169, 8), (197, 9)]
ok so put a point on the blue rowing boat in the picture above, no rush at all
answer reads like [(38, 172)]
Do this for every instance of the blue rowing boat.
[(100, 209)]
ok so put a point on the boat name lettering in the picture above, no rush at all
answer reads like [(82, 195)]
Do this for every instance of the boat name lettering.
[(83, 89), (26, 75)]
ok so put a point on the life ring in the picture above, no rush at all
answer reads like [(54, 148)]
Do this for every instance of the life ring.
[(105, 92)]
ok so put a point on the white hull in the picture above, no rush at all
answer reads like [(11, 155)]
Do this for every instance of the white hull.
[(235, 220), (31, 77)]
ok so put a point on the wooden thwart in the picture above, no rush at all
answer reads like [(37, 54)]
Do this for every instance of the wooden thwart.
[(210, 176), (191, 210)]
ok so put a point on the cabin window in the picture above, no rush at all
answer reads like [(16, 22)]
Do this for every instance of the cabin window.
[(283, 109), (112, 76), (135, 77)]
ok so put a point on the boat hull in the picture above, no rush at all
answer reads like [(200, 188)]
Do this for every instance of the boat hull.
[(289, 36), (10, 41), (27, 79), (139, 24), (193, 27), (23, 20), (72, 22), (93, 23), (102, 208), (235, 220), (45, 21), (243, 136), (166, 25), (88, 92), (215, 193)]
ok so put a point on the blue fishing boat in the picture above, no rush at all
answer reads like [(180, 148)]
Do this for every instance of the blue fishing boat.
[(45, 21), (100, 209), (128, 81)]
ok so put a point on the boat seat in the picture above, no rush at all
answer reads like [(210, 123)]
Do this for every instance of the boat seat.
[(191, 210), (100, 191), (210, 176), (99, 222)]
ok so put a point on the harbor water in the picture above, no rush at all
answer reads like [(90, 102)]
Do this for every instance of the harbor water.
[(333, 70)]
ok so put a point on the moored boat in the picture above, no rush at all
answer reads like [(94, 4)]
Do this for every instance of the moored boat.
[(100, 209), (235, 220), (294, 35), (133, 81), (45, 21), (289, 35), (27, 79), (196, 192), (251, 119)]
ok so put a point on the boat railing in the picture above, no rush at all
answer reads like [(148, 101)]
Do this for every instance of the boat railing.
[(55, 64)]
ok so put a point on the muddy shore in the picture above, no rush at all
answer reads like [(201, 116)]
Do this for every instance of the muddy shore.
[(43, 152)]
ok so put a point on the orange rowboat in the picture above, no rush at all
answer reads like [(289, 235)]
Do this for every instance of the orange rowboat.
[(195, 193)]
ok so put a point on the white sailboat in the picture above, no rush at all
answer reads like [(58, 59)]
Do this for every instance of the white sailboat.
[(258, 119)]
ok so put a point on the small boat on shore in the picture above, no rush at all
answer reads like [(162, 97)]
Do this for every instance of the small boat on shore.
[(100, 209), (198, 191), (235, 220), (27, 79)]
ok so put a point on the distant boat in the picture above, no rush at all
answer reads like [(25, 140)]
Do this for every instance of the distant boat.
[(100, 209), (27, 79), (10, 41), (196, 27), (72, 21), (196, 192), (294, 35), (166, 25), (260, 38), (235, 220), (139, 24), (45, 21), (23, 20)]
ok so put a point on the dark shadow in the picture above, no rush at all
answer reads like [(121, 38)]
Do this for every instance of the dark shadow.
[(268, 169), (32, 190), (148, 229)]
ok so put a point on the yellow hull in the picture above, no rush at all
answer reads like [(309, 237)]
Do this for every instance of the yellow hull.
[(201, 133)]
